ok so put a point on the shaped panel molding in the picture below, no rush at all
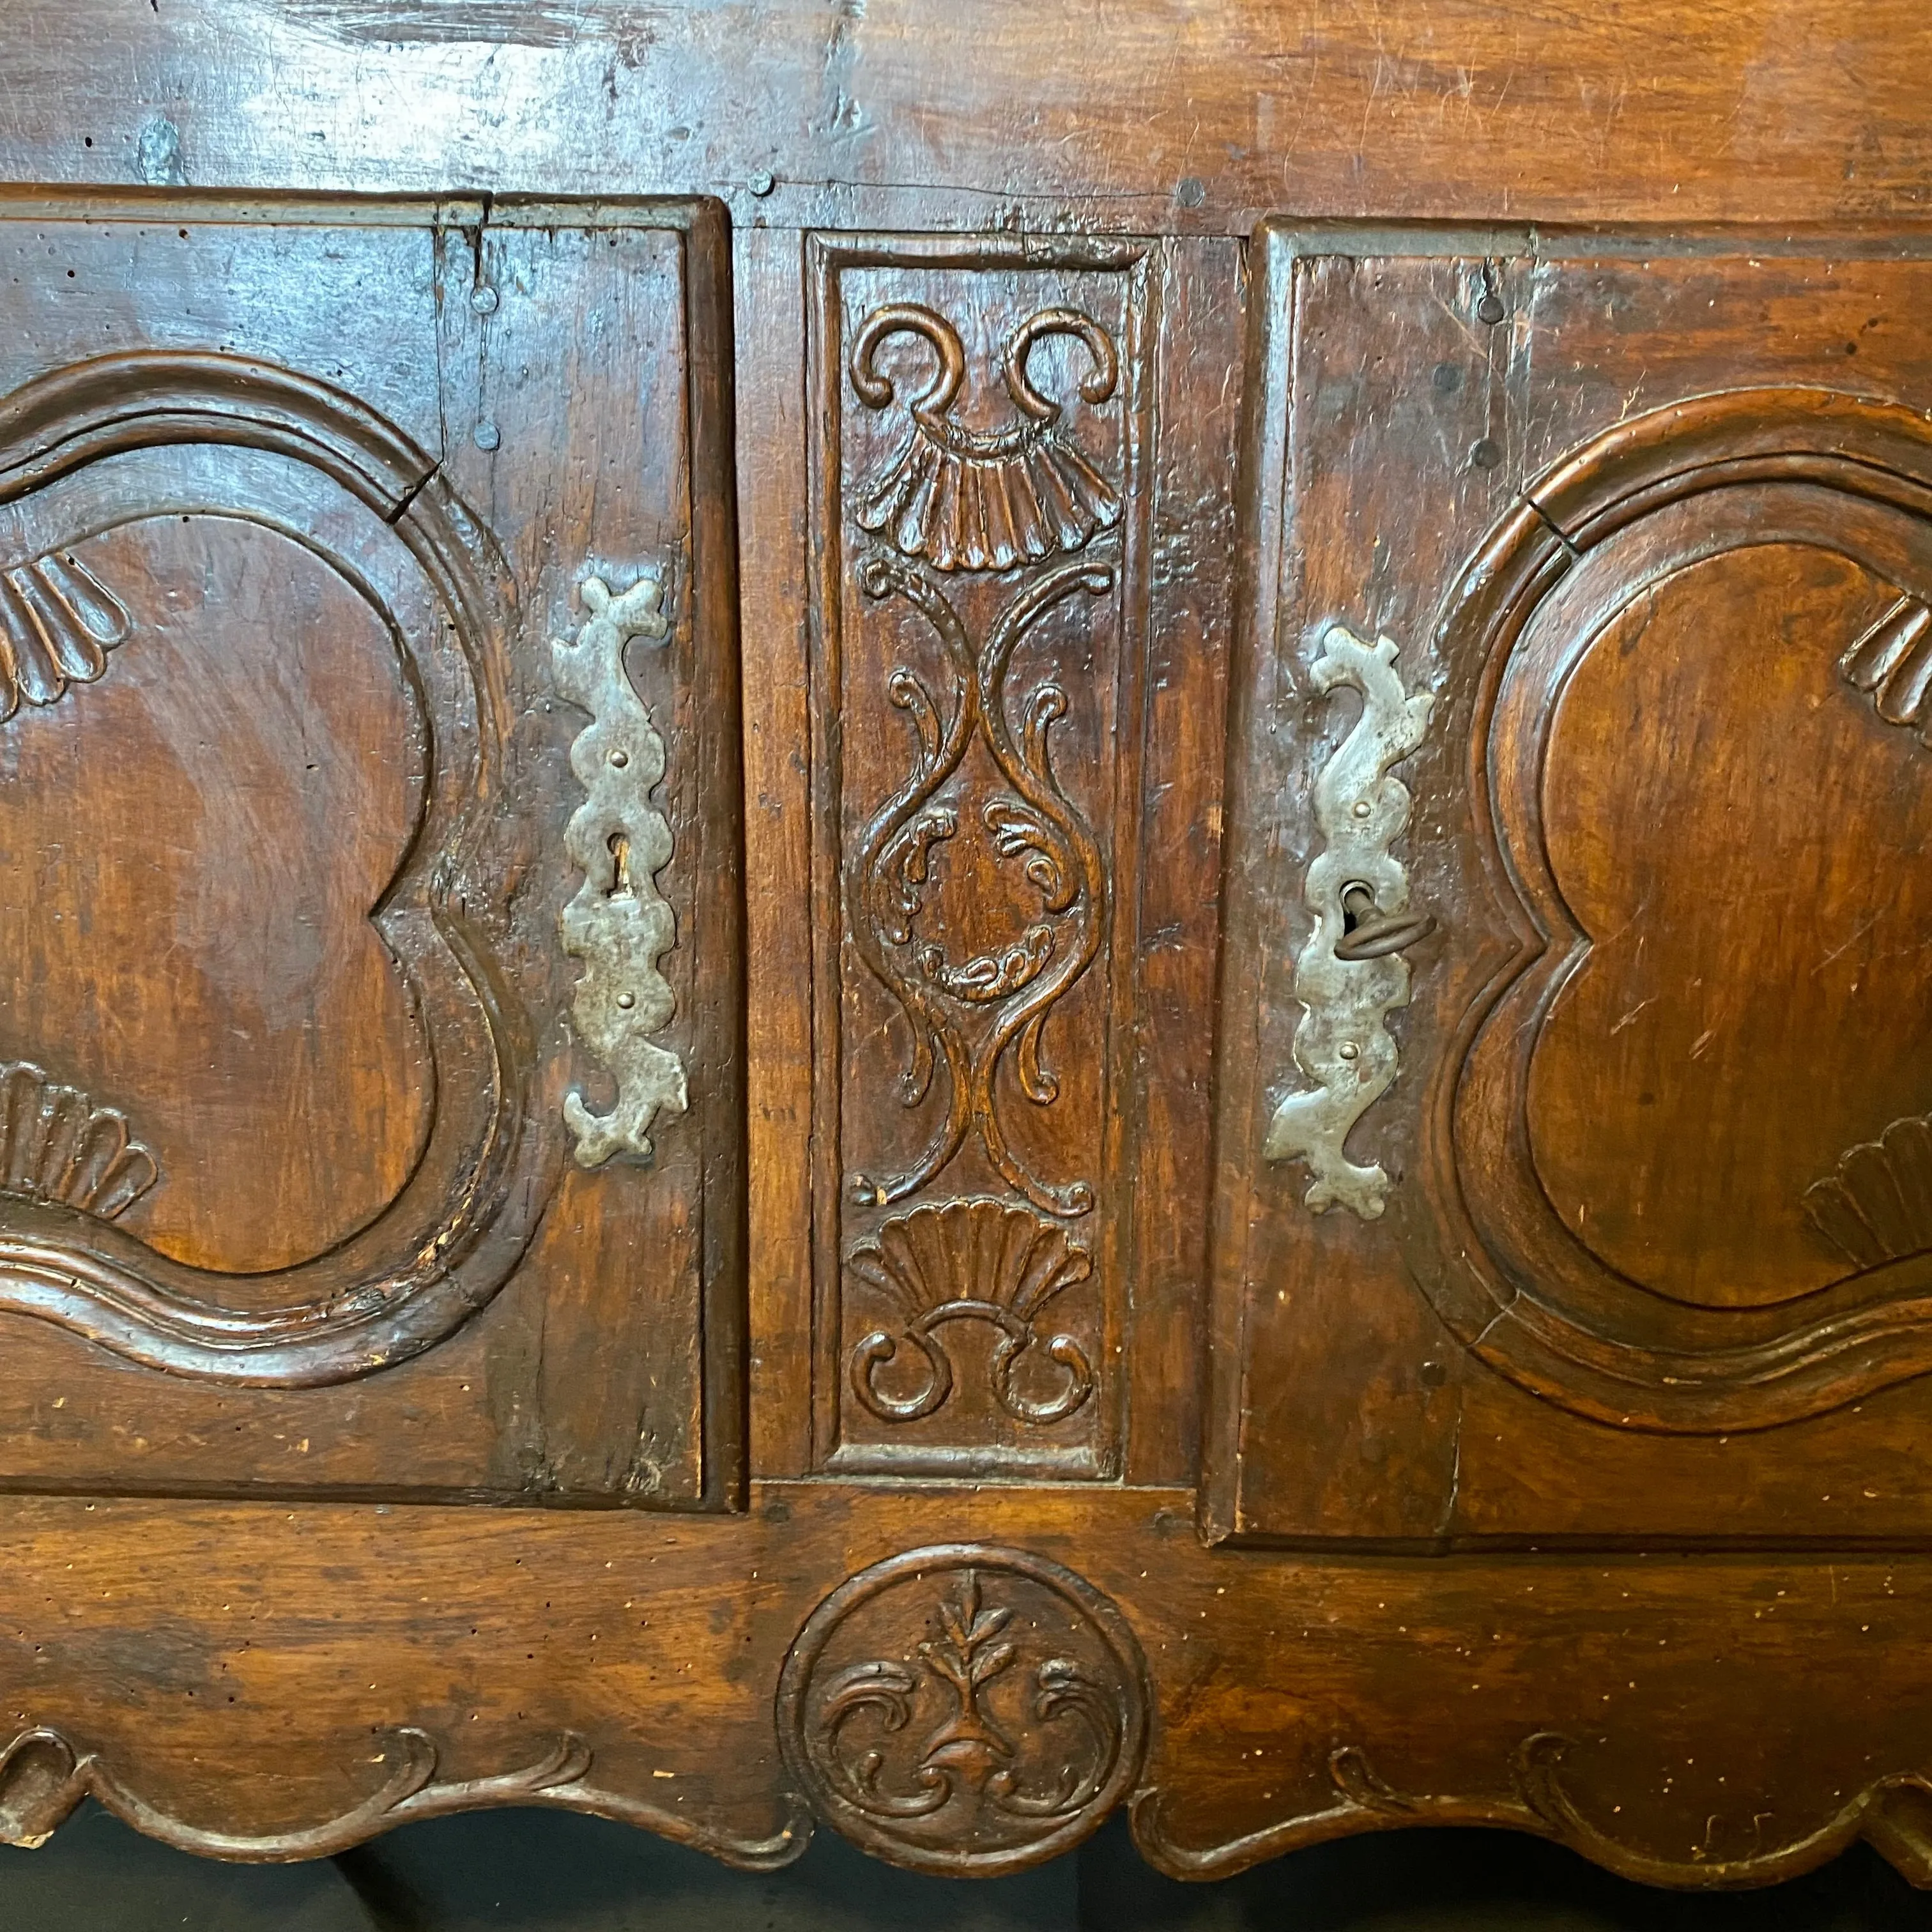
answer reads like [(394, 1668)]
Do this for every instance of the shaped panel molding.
[(345, 904), (441, 1246), (1795, 525)]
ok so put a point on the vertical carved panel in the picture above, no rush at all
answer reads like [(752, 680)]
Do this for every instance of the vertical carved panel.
[(979, 433)]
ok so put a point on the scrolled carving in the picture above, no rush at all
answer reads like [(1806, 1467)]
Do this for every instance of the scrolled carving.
[(964, 1709), (971, 499), (1890, 1813), (57, 1146), (1341, 1043), (1013, 986), (43, 1776), (58, 622), (969, 1261), (618, 924)]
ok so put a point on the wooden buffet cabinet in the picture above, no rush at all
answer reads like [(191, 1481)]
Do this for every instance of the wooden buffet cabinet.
[(932, 915)]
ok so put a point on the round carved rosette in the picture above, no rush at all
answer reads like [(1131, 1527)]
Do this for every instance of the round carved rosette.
[(964, 1709)]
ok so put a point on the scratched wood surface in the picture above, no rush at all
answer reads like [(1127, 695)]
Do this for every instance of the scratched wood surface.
[(959, 1426), (287, 779)]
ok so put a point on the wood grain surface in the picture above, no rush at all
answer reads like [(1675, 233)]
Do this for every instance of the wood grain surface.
[(1058, 442)]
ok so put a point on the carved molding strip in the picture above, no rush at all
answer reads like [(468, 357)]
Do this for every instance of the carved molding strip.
[(1893, 1814), (984, 499), (618, 924), (964, 1709), (57, 1146), (1341, 1043), (1037, 824), (1877, 1206), (43, 1778), (58, 622), (969, 1261), (1892, 661)]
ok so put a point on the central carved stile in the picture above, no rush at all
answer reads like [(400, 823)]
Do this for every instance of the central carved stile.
[(980, 538)]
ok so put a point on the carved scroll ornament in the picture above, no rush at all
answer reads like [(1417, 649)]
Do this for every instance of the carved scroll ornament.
[(618, 924), (1889, 1814), (970, 1260), (966, 1014), (1348, 988), (44, 1776)]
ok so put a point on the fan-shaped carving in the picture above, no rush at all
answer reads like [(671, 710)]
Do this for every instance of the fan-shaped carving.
[(972, 500), (1877, 1207), (1893, 661), (969, 1261), (58, 622), (57, 1146)]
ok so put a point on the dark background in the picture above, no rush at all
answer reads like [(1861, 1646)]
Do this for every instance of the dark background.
[(542, 1871)]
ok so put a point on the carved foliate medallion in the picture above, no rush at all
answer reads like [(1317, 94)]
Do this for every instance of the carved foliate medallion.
[(964, 1709)]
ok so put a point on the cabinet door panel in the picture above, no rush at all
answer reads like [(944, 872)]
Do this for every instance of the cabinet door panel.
[(335, 927), (1580, 1176)]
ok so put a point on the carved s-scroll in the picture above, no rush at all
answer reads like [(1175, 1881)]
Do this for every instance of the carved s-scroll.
[(618, 924), (1351, 974), (1010, 992)]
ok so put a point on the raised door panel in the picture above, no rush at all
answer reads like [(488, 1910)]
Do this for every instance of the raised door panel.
[(368, 868), (1574, 1158)]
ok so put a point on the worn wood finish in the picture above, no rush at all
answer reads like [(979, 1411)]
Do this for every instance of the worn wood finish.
[(1614, 1181), (285, 854), (1332, 613), (906, 117), (627, 1665)]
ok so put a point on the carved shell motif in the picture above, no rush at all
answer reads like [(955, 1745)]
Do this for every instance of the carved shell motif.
[(58, 622), (1893, 661), (1877, 1208), (57, 1146), (969, 1261), (967, 499)]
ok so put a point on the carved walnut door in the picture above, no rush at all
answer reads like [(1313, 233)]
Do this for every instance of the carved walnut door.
[(303, 1080), (1577, 1008)]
